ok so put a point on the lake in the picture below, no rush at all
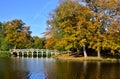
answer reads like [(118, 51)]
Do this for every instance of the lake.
[(49, 68)]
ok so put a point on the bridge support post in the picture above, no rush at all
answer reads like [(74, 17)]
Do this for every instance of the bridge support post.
[(32, 53), (51, 53), (17, 53), (37, 53), (27, 54), (22, 53), (41, 53)]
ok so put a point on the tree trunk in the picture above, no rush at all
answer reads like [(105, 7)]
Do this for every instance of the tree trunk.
[(84, 51), (98, 54)]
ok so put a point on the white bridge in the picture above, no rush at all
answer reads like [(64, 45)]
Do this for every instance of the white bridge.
[(33, 52)]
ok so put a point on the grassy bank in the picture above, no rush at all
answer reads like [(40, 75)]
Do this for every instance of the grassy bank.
[(4, 54), (89, 58)]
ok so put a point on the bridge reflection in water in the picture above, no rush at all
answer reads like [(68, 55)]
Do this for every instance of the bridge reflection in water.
[(33, 52)]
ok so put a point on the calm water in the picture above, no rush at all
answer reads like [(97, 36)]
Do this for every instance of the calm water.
[(48, 68)]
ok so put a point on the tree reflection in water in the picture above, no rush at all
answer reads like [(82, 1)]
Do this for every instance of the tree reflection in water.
[(48, 68), (83, 70)]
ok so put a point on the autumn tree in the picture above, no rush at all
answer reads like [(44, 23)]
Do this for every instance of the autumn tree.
[(91, 23), (53, 33), (17, 34), (107, 15), (72, 20)]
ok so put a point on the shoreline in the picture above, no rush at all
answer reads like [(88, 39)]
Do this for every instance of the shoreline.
[(66, 57)]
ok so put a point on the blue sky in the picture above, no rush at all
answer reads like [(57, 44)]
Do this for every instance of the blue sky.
[(33, 13)]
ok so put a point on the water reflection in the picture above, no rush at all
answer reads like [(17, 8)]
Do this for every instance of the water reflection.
[(33, 66), (48, 68), (83, 70)]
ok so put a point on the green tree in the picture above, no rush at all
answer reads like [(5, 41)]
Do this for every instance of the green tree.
[(38, 42), (3, 42)]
